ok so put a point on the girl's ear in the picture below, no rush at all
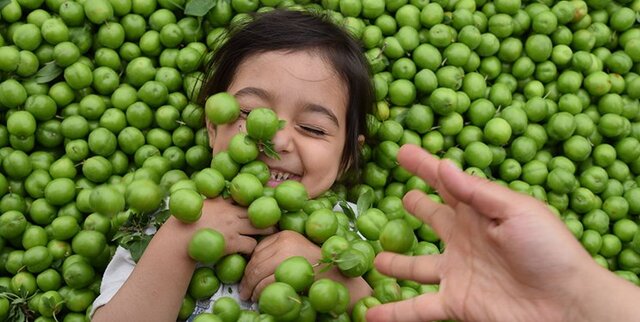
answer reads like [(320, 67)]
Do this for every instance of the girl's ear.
[(361, 140), (211, 131)]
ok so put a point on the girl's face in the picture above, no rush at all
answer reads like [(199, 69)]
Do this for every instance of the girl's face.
[(305, 92)]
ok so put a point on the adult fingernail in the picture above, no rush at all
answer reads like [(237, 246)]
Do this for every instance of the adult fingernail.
[(450, 164)]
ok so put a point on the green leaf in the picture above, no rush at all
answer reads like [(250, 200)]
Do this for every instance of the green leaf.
[(199, 8), (226, 193), (137, 248), (47, 73), (365, 200), (348, 260), (48, 302), (346, 209), (4, 3), (269, 150), (57, 264), (161, 217), (126, 239), (176, 4), (325, 260), (281, 124), (325, 268)]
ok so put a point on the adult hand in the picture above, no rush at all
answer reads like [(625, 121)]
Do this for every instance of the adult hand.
[(232, 222), (507, 257)]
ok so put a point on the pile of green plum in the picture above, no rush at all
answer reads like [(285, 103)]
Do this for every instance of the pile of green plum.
[(100, 128)]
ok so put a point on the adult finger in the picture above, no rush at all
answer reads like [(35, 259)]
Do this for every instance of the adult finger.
[(261, 285), (245, 245), (486, 197), (426, 307), (423, 269), (418, 161), (421, 163), (439, 216)]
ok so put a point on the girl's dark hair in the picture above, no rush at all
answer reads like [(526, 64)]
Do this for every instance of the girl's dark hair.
[(281, 30)]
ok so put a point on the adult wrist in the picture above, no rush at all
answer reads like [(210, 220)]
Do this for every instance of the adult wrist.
[(603, 296)]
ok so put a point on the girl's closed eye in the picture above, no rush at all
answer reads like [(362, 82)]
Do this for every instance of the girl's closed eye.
[(315, 131), (244, 112)]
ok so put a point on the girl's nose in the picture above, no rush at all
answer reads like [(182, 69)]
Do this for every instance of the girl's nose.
[(283, 140)]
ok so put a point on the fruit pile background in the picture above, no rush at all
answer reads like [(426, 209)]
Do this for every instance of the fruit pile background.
[(541, 96)]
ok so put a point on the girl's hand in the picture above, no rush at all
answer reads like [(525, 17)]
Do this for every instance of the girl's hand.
[(232, 222), (507, 257), (270, 252), (276, 248)]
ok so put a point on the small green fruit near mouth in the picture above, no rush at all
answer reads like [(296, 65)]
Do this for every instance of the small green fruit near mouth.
[(264, 212), (291, 195), (222, 108), (245, 188)]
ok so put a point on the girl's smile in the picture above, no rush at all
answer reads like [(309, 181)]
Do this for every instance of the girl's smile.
[(278, 176)]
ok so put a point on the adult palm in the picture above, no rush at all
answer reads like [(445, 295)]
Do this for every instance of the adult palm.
[(507, 256)]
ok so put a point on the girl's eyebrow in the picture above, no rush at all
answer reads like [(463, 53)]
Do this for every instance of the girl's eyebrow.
[(254, 91), (315, 108)]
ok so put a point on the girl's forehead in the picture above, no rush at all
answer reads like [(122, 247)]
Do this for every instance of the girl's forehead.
[(308, 64), (297, 73)]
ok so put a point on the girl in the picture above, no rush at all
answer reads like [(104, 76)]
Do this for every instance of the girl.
[(314, 76)]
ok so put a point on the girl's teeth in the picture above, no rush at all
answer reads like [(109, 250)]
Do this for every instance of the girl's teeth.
[(280, 176)]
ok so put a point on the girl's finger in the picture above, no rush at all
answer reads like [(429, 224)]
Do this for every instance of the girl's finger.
[(245, 245), (246, 228), (266, 242), (423, 269), (258, 268), (426, 307), (439, 216), (261, 285)]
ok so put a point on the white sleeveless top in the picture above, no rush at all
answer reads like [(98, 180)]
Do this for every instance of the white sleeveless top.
[(122, 264)]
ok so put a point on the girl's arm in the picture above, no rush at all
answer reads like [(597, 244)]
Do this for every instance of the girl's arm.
[(155, 288), (157, 285)]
